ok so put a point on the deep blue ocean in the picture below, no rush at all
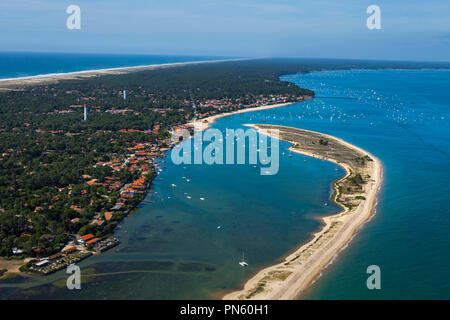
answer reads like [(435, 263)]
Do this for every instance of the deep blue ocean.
[(403, 117), (171, 248), (25, 64)]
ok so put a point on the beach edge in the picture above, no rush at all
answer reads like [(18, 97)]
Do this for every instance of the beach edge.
[(304, 280)]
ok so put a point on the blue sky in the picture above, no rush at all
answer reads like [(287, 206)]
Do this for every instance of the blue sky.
[(411, 30)]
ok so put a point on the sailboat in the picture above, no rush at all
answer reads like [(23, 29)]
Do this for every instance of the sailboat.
[(243, 263)]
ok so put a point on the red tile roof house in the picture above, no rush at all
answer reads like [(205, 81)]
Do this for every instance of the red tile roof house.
[(98, 222), (86, 237), (108, 215), (70, 249), (75, 220), (56, 256), (92, 241)]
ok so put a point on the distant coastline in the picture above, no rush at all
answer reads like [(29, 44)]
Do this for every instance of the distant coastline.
[(12, 83)]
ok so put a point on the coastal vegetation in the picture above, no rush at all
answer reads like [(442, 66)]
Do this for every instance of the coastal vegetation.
[(62, 178)]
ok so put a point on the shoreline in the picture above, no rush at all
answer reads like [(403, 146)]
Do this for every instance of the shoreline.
[(6, 83), (205, 123), (263, 286), (209, 120)]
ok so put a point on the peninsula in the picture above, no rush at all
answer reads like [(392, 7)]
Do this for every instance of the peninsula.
[(80, 150), (355, 193)]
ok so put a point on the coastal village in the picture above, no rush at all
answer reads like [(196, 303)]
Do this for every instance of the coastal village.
[(139, 161)]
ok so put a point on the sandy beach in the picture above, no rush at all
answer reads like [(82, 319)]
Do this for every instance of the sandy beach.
[(205, 123), (288, 279), (19, 83)]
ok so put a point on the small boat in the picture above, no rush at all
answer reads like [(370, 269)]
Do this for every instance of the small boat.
[(219, 227), (174, 185), (243, 263), (202, 199)]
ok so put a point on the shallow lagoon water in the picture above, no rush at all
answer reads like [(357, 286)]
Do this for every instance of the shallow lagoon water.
[(171, 248)]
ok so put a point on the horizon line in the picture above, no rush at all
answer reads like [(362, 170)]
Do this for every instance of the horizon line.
[(227, 56)]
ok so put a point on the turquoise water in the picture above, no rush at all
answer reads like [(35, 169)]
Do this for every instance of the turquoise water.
[(171, 248), (25, 64), (409, 238)]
